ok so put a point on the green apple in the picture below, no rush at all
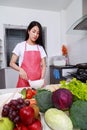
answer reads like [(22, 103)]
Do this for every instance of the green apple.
[(6, 124)]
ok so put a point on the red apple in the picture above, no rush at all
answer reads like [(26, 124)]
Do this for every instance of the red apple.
[(20, 126), (36, 125), (27, 115)]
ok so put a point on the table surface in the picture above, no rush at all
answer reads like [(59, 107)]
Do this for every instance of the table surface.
[(7, 94)]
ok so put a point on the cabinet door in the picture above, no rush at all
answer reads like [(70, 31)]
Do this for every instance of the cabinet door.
[(11, 78)]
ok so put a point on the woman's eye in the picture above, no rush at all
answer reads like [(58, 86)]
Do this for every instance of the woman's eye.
[(35, 32)]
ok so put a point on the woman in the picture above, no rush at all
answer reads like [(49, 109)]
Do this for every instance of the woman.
[(31, 54)]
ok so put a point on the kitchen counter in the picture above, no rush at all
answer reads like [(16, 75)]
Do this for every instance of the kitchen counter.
[(8, 94), (64, 66)]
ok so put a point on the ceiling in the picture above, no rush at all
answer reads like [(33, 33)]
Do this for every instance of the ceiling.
[(50, 5)]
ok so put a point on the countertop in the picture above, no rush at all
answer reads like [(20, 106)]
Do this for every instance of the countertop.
[(64, 66), (7, 94)]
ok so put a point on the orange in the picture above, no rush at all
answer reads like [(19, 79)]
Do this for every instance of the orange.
[(32, 101)]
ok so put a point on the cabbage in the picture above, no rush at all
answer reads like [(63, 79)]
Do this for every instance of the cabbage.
[(62, 99), (58, 120)]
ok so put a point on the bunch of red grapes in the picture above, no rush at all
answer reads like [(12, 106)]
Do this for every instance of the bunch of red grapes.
[(11, 109)]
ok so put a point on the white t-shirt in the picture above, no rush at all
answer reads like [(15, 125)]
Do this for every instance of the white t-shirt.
[(20, 48)]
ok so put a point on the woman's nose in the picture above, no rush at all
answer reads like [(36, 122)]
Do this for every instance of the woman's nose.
[(35, 34)]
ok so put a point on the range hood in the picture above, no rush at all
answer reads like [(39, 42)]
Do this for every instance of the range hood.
[(80, 26)]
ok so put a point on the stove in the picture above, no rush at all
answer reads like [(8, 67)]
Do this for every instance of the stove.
[(81, 73)]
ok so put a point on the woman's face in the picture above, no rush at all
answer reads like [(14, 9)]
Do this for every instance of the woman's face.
[(34, 33)]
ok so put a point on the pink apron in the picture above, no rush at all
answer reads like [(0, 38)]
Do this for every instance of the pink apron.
[(31, 64)]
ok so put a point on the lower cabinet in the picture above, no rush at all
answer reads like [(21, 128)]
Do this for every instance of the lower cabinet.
[(8, 78)]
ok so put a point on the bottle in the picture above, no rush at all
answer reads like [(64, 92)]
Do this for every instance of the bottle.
[(67, 60)]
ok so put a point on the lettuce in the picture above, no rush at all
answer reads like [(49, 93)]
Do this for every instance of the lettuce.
[(78, 88)]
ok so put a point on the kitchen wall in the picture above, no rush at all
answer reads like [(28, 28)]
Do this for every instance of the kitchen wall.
[(76, 40), (22, 17), (57, 23)]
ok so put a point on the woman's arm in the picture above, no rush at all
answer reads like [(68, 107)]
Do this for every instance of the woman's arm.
[(43, 65), (13, 64)]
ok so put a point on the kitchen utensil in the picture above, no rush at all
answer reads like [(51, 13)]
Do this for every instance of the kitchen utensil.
[(59, 61), (36, 83)]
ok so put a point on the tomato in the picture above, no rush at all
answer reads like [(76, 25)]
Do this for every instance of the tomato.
[(27, 115), (36, 125), (30, 93), (34, 91)]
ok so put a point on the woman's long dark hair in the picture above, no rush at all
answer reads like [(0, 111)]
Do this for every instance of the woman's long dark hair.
[(40, 38)]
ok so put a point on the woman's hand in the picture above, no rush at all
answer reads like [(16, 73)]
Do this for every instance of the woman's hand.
[(23, 74)]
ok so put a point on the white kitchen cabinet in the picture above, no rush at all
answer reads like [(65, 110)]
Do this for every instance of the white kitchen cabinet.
[(8, 78)]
